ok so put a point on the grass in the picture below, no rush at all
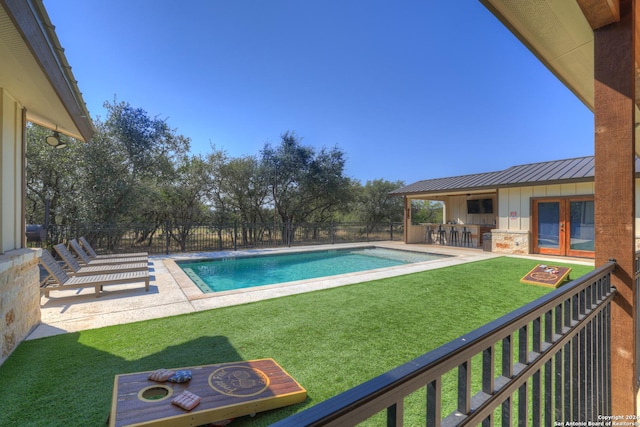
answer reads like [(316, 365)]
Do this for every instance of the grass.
[(329, 341)]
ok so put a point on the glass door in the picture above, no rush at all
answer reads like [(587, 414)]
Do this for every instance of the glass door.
[(548, 228), (581, 228), (564, 227)]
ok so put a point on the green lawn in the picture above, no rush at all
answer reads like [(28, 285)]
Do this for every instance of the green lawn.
[(329, 340)]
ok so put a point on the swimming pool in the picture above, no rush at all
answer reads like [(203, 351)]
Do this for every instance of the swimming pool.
[(224, 274)]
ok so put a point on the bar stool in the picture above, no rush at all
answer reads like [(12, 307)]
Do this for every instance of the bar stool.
[(467, 239), (429, 235), (453, 236), (442, 235)]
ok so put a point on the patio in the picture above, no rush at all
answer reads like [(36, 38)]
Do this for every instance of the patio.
[(336, 328), (172, 293)]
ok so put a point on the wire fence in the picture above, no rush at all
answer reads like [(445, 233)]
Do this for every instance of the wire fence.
[(166, 238)]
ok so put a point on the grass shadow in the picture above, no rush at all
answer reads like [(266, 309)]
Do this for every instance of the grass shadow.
[(65, 381)]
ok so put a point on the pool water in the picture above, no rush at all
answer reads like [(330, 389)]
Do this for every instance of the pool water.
[(224, 274)]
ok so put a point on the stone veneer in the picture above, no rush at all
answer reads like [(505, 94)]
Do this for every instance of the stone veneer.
[(510, 242), (19, 297)]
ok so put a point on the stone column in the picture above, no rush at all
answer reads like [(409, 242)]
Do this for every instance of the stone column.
[(19, 298)]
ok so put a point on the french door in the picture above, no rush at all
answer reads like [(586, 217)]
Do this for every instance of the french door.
[(563, 226)]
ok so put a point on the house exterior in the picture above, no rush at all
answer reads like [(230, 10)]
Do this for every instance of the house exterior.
[(541, 208), (36, 85)]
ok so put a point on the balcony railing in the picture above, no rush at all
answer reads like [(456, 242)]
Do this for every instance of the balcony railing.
[(545, 362)]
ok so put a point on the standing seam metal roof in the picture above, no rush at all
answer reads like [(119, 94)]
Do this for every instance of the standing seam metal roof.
[(572, 170)]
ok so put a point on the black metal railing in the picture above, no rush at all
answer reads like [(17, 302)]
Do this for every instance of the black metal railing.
[(185, 237), (547, 362)]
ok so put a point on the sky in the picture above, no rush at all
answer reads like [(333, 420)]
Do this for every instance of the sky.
[(409, 89)]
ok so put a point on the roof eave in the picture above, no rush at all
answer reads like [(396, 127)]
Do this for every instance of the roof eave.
[(493, 187), (33, 24), (483, 189), (586, 96)]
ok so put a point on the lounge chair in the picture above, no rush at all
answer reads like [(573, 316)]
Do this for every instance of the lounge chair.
[(93, 255), (85, 259), (90, 270), (58, 280)]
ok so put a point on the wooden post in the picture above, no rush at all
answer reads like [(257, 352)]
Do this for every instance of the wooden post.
[(614, 87), (407, 218), (23, 183), (168, 236)]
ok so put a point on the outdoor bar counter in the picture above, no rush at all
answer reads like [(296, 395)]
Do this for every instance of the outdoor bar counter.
[(477, 230)]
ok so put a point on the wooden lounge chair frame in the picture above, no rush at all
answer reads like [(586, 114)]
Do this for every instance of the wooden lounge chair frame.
[(86, 246), (85, 259), (63, 281), (91, 270)]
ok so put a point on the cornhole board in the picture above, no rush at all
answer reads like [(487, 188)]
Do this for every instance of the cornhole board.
[(547, 275), (228, 390)]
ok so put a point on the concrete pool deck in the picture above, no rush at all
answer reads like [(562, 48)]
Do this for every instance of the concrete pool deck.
[(173, 293)]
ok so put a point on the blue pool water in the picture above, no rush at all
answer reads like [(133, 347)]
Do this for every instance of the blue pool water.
[(216, 275)]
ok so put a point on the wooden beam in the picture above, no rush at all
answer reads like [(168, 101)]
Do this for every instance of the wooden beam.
[(600, 12), (636, 43), (407, 218), (614, 85), (23, 175)]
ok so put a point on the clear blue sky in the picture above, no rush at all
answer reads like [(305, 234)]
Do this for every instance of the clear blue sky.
[(409, 90)]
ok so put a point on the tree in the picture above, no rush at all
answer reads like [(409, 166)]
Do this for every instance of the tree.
[(375, 205), (149, 142), (426, 211), (130, 160), (247, 190), (53, 178), (184, 197), (116, 178), (302, 182), (239, 187), (137, 173), (109, 187)]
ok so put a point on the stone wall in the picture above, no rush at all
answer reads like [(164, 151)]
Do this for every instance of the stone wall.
[(510, 242), (19, 298)]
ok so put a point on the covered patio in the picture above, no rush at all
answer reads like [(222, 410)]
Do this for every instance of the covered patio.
[(537, 208)]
